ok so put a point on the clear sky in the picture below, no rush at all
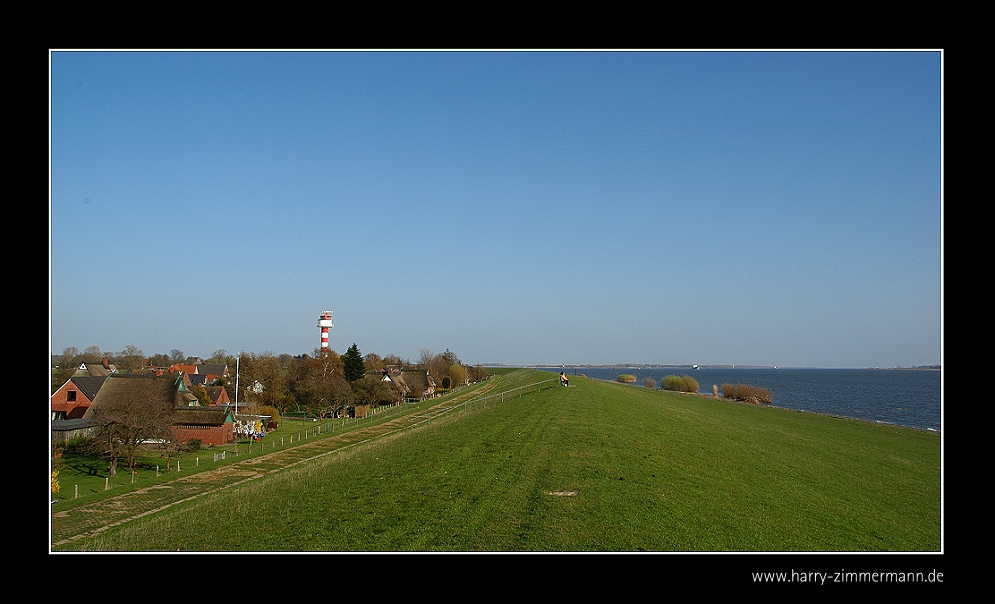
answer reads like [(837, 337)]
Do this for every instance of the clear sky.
[(769, 208)]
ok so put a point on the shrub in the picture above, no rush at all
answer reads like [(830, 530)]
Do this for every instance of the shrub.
[(194, 444), (649, 382), (271, 411), (680, 384), (672, 382), (76, 445), (627, 378), (744, 392)]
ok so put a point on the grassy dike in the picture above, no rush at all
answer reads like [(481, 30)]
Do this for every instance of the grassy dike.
[(594, 467)]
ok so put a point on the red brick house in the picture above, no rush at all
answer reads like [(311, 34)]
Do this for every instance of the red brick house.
[(74, 397), (210, 425)]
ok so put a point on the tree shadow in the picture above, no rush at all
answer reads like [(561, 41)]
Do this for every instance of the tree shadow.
[(90, 466)]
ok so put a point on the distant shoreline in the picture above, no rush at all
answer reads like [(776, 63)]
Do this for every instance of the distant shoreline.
[(719, 397), (690, 366)]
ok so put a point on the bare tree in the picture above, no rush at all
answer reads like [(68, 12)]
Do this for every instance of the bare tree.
[(64, 366), (393, 359), (131, 358), (373, 362), (316, 384), (373, 390), (438, 367), (263, 380), (141, 411)]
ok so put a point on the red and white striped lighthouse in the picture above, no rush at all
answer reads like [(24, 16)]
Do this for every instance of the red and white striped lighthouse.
[(324, 322)]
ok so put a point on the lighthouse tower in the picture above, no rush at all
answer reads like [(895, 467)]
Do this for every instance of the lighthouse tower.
[(324, 322)]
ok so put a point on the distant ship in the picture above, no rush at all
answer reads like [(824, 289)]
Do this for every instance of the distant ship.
[(695, 366)]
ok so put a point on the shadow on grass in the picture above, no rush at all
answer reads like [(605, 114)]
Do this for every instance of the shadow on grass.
[(87, 466)]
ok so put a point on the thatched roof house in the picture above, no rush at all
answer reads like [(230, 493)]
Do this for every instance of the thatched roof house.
[(413, 383), (119, 388)]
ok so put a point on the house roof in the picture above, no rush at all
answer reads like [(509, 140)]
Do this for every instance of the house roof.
[(219, 369), (217, 394), (89, 385), (125, 388), (201, 416), (66, 425), (414, 379), (94, 370), (184, 368)]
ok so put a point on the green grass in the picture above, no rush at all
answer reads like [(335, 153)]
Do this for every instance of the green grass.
[(637, 470), (84, 478)]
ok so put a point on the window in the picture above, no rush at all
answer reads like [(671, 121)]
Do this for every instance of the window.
[(71, 396)]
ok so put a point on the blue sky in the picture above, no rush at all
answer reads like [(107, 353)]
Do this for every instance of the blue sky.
[(770, 208)]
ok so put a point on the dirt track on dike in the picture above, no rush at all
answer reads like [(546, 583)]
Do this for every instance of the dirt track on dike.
[(84, 521)]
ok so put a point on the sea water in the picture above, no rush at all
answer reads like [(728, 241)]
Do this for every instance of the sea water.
[(906, 397)]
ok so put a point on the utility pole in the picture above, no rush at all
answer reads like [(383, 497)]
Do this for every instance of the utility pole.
[(237, 359)]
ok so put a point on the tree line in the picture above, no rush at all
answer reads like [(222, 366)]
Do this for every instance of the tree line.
[(323, 384)]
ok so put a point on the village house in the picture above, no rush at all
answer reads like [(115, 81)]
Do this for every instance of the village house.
[(210, 424), (171, 389), (64, 430), (413, 384), (73, 398), (102, 369), (202, 373), (218, 395)]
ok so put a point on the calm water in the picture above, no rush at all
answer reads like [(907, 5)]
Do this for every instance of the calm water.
[(895, 396)]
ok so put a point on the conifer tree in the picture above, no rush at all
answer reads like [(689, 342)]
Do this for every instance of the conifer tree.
[(353, 364)]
